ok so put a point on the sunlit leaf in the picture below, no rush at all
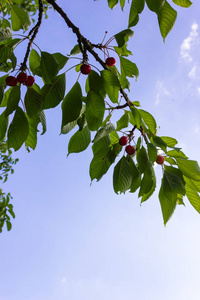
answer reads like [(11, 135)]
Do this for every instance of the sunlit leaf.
[(166, 19)]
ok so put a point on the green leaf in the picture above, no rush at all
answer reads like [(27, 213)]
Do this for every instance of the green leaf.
[(172, 185), (128, 68), (95, 108), (61, 59), (146, 196), (168, 205), (20, 18), (34, 62), (33, 102), (136, 178), (152, 152), (75, 50), (3, 125), (170, 160), (136, 117), (42, 119), (183, 3), (112, 3), (122, 176), (103, 132), (54, 93), (122, 51), (9, 225), (122, 3), (67, 128), (158, 141), (123, 122), (71, 105), (6, 49), (149, 120), (155, 5), (166, 19), (176, 154), (31, 140), (95, 82), (123, 36), (79, 141), (137, 7), (81, 121), (49, 67), (102, 143), (189, 168), (100, 163), (193, 197), (143, 160), (13, 100), (1, 93), (114, 137), (111, 85), (5, 33), (193, 184), (170, 142), (18, 130), (148, 181)]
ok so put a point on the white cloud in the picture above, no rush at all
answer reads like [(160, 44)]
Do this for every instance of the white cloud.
[(188, 43), (198, 90), (192, 73), (161, 91)]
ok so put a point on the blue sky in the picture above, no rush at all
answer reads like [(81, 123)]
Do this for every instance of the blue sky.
[(74, 241)]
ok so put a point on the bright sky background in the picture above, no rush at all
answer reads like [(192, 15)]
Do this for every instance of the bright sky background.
[(74, 241)]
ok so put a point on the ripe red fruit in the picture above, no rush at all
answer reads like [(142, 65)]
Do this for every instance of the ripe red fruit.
[(110, 61), (160, 159), (30, 81), (11, 81), (123, 140), (130, 150), (22, 77), (85, 69)]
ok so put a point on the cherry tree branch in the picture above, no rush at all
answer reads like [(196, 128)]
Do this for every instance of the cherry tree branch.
[(85, 42), (34, 32)]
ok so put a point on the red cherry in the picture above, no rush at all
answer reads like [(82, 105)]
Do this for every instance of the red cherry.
[(11, 81), (22, 77), (85, 69), (160, 159), (123, 140), (130, 150), (110, 61), (30, 81)]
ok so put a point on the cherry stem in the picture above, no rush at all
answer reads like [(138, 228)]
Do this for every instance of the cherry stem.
[(109, 41)]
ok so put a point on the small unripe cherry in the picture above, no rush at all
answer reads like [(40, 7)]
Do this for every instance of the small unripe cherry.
[(110, 61), (123, 140), (160, 159), (30, 81), (22, 77), (11, 81), (130, 150), (85, 69)]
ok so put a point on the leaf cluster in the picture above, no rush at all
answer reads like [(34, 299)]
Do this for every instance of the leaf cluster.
[(93, 110)]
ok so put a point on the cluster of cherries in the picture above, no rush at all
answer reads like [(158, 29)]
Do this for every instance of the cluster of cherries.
[(22, 77), (85, 68), (130, 150)]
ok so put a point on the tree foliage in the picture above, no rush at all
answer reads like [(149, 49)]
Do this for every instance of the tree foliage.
[(91, 109)]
